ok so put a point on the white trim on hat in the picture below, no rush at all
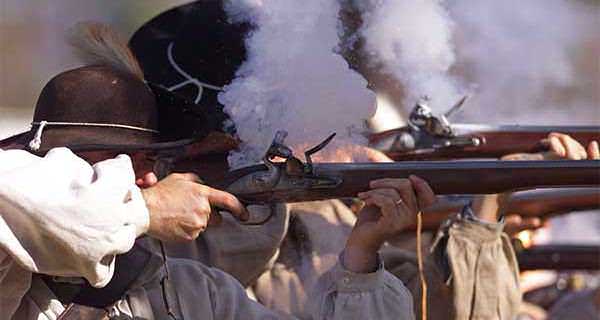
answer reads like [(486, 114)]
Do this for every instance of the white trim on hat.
[(36, 142)]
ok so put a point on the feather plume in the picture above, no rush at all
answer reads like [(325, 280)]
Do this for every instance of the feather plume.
[(97, 43)]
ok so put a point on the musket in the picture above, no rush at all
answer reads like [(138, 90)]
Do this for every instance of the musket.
[(559, 257), (292, 180), (543, 204), (432, 137)]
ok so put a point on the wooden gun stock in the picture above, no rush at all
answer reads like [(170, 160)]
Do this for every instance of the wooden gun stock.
[(559, 257)]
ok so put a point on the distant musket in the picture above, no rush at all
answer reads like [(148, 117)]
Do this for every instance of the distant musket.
[(433, 137), (535, 203), (559, 257)]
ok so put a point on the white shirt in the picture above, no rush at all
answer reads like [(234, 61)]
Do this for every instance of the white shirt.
[(61, 216)]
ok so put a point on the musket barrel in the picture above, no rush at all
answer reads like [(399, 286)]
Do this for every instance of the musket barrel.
[(559, 257), (472, 177), (457, 177)]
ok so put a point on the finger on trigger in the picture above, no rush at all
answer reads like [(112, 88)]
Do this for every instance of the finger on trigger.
[(593, 151), (425, 195), (227, 202)]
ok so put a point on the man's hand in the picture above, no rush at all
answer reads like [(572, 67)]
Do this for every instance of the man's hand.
[(180, 207), (561, 146), (390, 206), (348, 153)]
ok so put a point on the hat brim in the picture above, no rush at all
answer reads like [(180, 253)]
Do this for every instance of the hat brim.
[(213, 143)]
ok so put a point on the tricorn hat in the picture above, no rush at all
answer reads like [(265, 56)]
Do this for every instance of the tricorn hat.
[(193, 50), (108, 104)]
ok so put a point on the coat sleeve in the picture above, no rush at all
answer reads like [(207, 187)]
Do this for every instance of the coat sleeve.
[(60, 216), (339, 294), (342, 294)]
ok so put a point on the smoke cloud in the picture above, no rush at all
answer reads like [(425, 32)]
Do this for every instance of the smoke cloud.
[(412, 41), (514, 58), (293, 78), (529, 58)]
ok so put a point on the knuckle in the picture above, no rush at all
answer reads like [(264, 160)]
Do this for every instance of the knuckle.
[(198, 224), (176, 175), (202, 208), (191, 176)]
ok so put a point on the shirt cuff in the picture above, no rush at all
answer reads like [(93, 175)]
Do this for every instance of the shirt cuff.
[(348, 281), (468, 214), (138, 213)]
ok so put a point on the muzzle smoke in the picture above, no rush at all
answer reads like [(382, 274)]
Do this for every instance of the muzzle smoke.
[(514, 58), (532, 61), (293, 79), (411, 40)]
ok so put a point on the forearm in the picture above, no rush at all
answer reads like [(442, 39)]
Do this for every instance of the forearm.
[(490, 207)]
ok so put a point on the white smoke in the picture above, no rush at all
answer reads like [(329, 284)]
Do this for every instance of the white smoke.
[(412, 41), (293, 79), (514, 58), (528, 59)]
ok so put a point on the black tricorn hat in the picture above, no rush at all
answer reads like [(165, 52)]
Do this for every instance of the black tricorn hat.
[(192, 50), (195, 49)]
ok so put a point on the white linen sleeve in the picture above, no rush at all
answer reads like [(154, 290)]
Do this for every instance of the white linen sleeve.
[(60, 216)]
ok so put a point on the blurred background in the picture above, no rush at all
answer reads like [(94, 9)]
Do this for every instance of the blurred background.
[(33, 48)]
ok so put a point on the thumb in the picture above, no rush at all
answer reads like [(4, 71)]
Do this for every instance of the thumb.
[(147, 180)]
